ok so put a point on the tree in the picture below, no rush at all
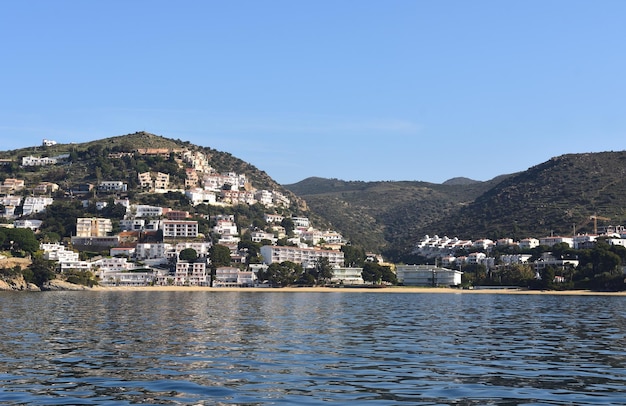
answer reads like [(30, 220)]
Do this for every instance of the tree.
[(188, 254), (353, 256), (371, 272), (322, 271), (21, 239), (252, 249), (282, 274), (41, 271), (219, 256), (288, 225), (387, 275)]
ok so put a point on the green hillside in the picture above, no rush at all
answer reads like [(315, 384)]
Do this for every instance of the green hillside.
[(384, 214), (556, 197)]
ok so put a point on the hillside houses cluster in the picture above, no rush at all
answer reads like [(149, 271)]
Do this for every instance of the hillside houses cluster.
[(446, 250), (132, 261), (145, 247)]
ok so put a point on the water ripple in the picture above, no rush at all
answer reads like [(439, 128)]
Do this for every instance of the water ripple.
[(257, 348)]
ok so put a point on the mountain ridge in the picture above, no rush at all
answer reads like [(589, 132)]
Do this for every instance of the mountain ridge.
[(557, 196)]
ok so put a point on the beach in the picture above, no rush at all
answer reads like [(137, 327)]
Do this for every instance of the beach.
[(391, 289)]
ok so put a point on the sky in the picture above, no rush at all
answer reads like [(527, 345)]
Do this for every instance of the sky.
[(349, 89)]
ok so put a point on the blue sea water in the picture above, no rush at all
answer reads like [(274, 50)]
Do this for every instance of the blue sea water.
[(302, 348)]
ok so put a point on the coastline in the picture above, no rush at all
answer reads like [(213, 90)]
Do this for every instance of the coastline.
[(395, 289)]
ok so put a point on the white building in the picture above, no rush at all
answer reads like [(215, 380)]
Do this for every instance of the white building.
[(233, 277), (427, 275), (180, 229), (125, 278), (152, 250), (140, 224), (225, 227), (144, 210), (554, 240), (10, 203), (483, 244), (515, 259), (547, 259), (202, 248), (68, 260), (32, 224), (528, 243), (192, 273), (36, 204), (476, 258), (305, 256), (114, 264), (273, 218), (112, 186), (583, 239), (302, 222), (38, 161), (347, 276), (258, 236), (617, 241), (264, 197), (200, 196)]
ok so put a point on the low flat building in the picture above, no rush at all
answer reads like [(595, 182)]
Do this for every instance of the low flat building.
[(347, 276), (427, 275)]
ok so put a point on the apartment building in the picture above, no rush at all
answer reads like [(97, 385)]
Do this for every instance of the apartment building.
[(192, 273), (93, 227), (305, 256), (180, 229)]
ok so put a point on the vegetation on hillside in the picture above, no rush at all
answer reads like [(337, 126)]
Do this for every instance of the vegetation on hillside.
[(559, 196)]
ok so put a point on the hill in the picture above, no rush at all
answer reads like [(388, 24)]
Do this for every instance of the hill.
[(383, 214), (80, 167), (556, 197), (89, 162)]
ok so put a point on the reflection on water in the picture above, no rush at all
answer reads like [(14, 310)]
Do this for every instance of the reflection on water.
[(250, 348)]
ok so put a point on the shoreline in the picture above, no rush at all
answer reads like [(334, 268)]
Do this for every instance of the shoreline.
[(395, 289)]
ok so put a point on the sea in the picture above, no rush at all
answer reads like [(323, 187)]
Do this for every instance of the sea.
[(310, 348)]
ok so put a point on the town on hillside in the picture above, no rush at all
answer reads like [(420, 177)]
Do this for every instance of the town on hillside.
[(196, 226), (124, 242)]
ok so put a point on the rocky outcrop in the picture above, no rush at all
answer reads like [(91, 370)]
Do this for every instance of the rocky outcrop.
[(58, 284), (17, 283)]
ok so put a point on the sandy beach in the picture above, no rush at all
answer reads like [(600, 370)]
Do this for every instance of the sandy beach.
[(394, 289)]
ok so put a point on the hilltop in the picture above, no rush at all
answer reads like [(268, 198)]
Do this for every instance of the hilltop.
[(85, 158)]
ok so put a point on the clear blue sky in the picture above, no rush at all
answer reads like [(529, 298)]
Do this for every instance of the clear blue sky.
[(349, 89)]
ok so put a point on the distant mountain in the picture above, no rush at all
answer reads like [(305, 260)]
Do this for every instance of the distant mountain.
[(460, 181), (556, 197)]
